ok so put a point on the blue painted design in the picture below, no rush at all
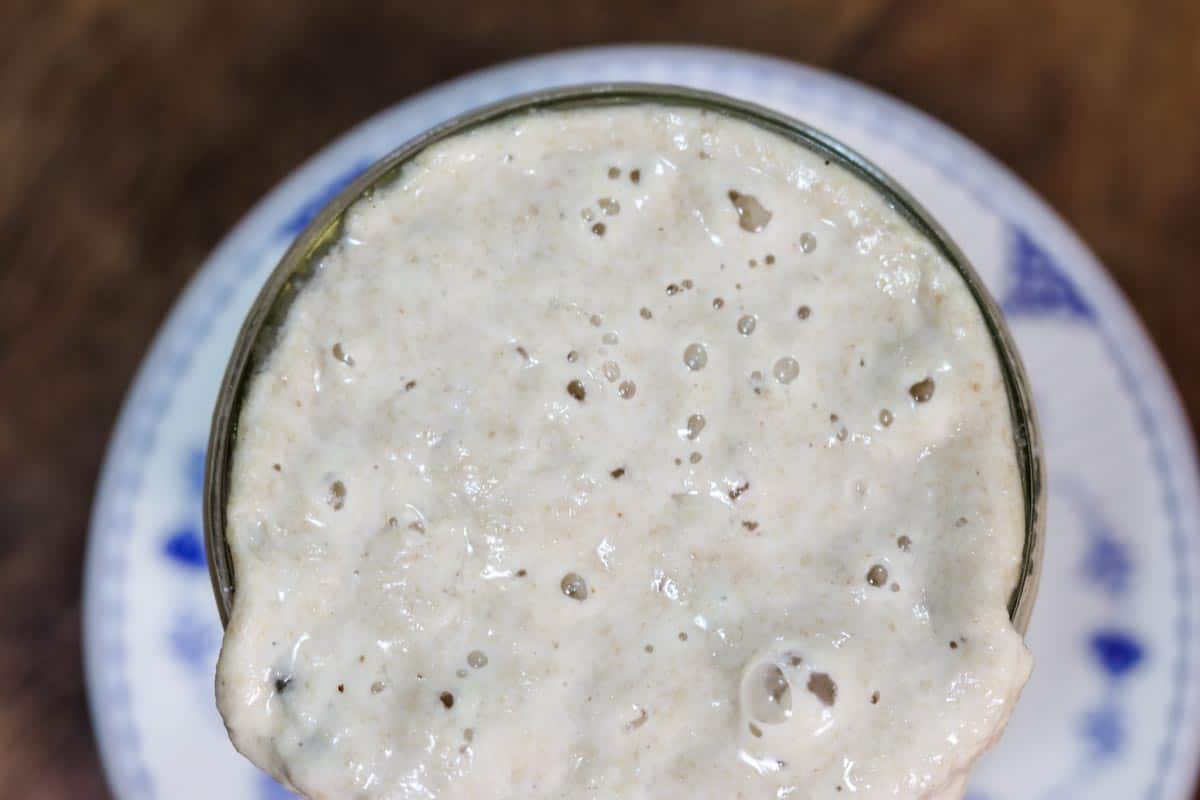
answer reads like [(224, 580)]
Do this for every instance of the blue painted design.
[(184, 545), (195, 471), (306, 212), (193, 640), (1039, 285), (1117, 652), (1107, 562), (1104, 729), (185, 548), (269, 789)]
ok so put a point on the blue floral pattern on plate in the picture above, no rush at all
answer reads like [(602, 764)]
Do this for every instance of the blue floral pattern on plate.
[(1122, 667)]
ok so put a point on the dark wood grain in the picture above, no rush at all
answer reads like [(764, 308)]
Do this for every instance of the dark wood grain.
[(132, 135)]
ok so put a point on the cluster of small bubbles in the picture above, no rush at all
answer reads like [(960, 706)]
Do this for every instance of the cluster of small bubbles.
[(340, 354), (609, 206), (746, 324), (718, 303), (627, 389), (808, 242), (695, 424), (614, 173), (611, 370), (961, 522), (477, 659), (687, 283), (596, 320), (575, 389), (574, 586), (646, 313), (803, 312), (337, 495), (922, 391), (377, 687), (786, 369), (877, 575), (610, 338), (695, 356), (694, 457), (885, 418)]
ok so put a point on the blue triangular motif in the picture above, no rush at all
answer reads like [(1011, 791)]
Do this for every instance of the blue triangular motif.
[(1038, 286)]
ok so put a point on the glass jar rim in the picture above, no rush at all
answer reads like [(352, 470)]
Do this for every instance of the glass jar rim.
[(256, 337)]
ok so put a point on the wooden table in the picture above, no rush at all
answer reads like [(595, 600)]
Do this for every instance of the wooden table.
[(135, 134)]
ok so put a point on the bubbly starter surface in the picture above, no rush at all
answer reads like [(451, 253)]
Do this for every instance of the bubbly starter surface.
[(625, 453)]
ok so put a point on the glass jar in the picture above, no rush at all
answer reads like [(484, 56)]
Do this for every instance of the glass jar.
[(269, 310)]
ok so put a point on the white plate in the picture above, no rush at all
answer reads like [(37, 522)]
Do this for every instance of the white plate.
[(1110, 710)]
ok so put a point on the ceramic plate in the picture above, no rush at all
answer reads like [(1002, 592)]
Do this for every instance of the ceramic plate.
[(1111, 708)]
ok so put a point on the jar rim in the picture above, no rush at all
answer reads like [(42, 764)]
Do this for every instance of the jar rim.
[(256, 338)]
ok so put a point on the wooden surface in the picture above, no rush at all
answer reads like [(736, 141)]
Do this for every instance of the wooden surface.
[(134, 134)]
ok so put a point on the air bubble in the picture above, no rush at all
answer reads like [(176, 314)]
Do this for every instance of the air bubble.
[(922, 391), (611, 370), (695, 356), (752, 216), (808, 243), (574, 586), (718, 303), (695, 424), (746, 324), (337, 495), (627, 389), (877, 575), (821, 685), (767, 694), (576, 390), (609, 206), (886, 418), (340, 354), (610, 338), (646, 313), (477, 659), (786, 369)]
